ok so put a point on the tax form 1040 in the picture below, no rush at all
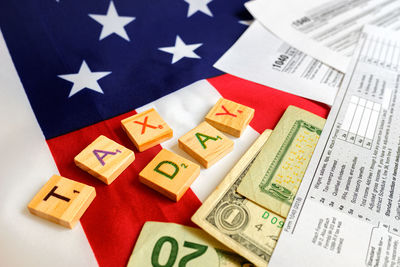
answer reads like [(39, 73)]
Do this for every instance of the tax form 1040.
[(347, 210)]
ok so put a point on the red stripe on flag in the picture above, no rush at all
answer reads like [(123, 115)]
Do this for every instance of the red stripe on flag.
[(269, 103), (113, 221)]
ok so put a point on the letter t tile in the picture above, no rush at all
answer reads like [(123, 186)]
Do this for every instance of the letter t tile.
[(62, 201)]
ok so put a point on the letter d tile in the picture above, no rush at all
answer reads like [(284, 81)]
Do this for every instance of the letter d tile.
[(169, 174)]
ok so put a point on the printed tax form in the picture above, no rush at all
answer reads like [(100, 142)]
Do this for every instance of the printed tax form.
[(347, 209), (327, 30), (261, 57)]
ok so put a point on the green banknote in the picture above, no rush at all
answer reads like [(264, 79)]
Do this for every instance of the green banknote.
[(169, 244), (243, 226), (276, 174)]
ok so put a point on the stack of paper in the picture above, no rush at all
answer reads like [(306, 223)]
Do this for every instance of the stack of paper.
[(346, 54)]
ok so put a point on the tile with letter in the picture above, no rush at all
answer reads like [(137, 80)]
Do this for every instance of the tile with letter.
[(230, 117), (206, 144), (146, 129), (104, 159), (62, 201), (169, 174)]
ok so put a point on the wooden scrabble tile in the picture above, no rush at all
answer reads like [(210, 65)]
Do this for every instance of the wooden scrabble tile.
[(62, 201), (206, 144), (104, 159), (146, 129), (169, 174), (230, 117)]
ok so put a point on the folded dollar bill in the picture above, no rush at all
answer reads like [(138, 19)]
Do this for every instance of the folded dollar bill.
[(243, 226), (276, 174)]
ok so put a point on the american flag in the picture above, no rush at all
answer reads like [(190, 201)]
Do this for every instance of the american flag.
[(70, 71)]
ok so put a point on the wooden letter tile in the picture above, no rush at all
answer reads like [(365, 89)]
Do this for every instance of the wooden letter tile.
[(230, 117), (62, 201), (206, 144), (169, 174), (146, 129), (104, 159)]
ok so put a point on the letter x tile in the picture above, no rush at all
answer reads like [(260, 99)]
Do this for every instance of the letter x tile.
[(62, 201), (206, 144), (169, 174), (230, 117), (146, 129), (104, 159)]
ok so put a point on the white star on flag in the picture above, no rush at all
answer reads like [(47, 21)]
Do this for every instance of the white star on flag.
[(198, 5), (246, 22), (181, 50), (85, 78), (112, 23)]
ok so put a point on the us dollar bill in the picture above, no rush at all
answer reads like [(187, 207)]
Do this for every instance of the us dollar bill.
[(276, 174), (174, 245), (243, 226)]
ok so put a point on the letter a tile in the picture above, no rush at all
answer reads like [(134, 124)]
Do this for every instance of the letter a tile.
[(230, 117), (104, 159), (206, 144), (169, 174), (62, 201), (146, 129)]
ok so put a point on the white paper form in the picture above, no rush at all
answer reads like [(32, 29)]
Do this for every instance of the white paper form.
[(347, 210), (261, 57), (327, 30)]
